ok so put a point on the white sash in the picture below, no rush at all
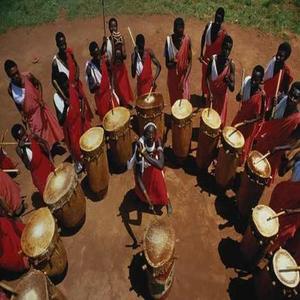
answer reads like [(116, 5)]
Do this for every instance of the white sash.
[(109, 53), (172, 50), (61, 66), (280, 107), (208, 35), (18, 94), (139, 65), (246, 89), (214, 71), (269, 73), (59, 103), (95, 73)]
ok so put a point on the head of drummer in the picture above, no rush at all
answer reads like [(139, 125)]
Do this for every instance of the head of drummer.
[(95, 51), (140, 43), (178, 27), (219, 16), (113, 25), (257, 76), (227, 46), (18, 132), (13, 72), (150, 131), (283, 53), (294, 95), (61, 42)]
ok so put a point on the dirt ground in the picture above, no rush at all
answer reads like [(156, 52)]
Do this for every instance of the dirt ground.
[(102, 263)]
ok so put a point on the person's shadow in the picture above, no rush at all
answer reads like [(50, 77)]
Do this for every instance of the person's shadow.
[(241, 289), (130, 204)]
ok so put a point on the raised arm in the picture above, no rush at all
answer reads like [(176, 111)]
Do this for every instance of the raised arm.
[(203, 41), (230, 80), (156, 63), (158, 163)]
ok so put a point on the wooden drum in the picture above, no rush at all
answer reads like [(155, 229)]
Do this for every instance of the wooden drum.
[(116, 125), (273, 284), (254, 180), (150, 109), (64, 196), (41, 243), (92, 145), (159, 247), (259, 234), (210, 123), (35, 285), (182, 127), (228, 158)]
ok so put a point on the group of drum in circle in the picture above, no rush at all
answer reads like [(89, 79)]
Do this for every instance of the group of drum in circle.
[(265, 128)]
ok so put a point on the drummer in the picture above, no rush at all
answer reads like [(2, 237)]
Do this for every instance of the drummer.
[(98, 80), (35, 154), (221, 77), (148, 163), (141, 66), (276, 135), (251, 113), (11, 259)]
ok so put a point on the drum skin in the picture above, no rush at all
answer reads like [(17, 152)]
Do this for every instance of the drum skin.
[(151, 111), (119, 136), (182, 128), (95, 160)]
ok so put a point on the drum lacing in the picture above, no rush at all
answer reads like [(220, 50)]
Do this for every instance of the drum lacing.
[(152, 116), (182, 123), (88, 157), (206, 132), (114, 136), (257, 181)]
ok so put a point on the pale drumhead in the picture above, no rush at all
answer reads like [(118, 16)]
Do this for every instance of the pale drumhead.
[(33, 286), (260, 214), (91, 139), (282, 259), (262, 168), (149, 101), (38, 233), (59, 183), (116, 118), (211, 118), (182, 109), (159, 243), (236, 139)]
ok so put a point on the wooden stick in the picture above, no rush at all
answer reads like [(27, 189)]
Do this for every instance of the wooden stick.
[(293, 269), (10, 170), (8, 288), (210, 97), (276, 216), (150, 92), (133, 42), (262, 158), (233, 132), (242, 89), (13, 143), (276, 93)]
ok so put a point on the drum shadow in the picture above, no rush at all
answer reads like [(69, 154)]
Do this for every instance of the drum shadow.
[(95, 197), (37, 200), (59, 278), (113, 167), (138, 276), (241, 289), (64, 231), (195, 134), (189, 166), (230, 255), (130, 204), (10, 275), (58, 149), (207, 182), (171, 160), (198, 101)]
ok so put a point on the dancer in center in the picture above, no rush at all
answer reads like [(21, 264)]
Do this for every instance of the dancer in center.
[(148, 163)]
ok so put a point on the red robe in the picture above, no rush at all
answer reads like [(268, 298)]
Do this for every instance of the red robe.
[(276, 133), (286, 196), (40, 166), (250, 109), (10, 192), (41, 121), (145, 79), (10, 246), (77, 85), (178, 74), (219, 94), (5, 161), (210, 50), (271, 84), (103, 95), (122, 85)]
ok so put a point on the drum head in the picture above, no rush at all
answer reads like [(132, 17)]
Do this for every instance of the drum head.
[(262, 168), (150, 101), (38, 233), (233, 137), (91, 139), (159, 243), (116, 118), (182, 109), (260, 214), (59, 183), (33, 286), (211, 118), (282, 259)]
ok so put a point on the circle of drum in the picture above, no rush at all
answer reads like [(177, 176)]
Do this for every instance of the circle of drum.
[(65, 199)]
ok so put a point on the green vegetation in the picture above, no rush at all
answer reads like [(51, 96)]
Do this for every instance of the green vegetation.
[(268, 15)]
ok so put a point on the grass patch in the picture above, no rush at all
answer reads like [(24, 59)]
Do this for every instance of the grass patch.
[(268, 15)]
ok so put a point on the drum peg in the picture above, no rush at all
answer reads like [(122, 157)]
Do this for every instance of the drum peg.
[(273, 283), (261, 243), (295, 292), (144, 267)]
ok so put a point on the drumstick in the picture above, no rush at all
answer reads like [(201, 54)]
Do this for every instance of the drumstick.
[(276, 93), (10, 170), (233, 132), (242, 90), (150, 92), (277, 215), (210, 97), (13, 143), (293, 269), (133, 42), (262, 158), (8, 288)]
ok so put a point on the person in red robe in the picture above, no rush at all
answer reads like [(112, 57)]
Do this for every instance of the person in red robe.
[(276, 135), (148, 163), (35, 154), (277, 72), (178, 55), (251, 113), (141, 66), (212, 39), (64, 61), (11, 203), (98, 80), (11, 259), (6, 162), (114, 49), (26, 91), (221, 77)]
